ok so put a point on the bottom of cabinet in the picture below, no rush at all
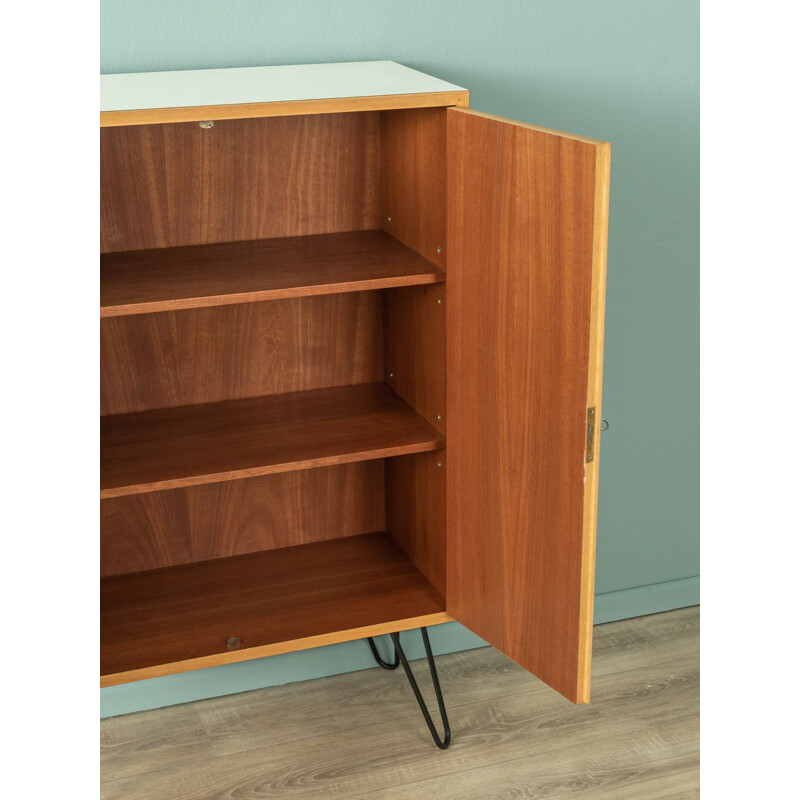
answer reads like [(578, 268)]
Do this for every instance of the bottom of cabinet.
[(198, 615)]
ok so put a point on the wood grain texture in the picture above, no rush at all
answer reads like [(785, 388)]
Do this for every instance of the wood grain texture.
[(193, 445), (521, 211), (415, 512), (163, 529), (332, 105), (414, 179), (513, 737), (181, 614), (207, 355), (144, 281), (594, 399), (178, 184), (414, 342)]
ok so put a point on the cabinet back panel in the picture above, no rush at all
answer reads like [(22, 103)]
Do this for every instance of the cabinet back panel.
[(161, 529), (179, 184), (205, 355)]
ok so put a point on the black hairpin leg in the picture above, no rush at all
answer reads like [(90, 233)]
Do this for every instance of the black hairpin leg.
[(381, 663), (443, 744)]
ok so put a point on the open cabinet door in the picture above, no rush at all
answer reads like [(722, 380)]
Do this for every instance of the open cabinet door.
[(527, 231)]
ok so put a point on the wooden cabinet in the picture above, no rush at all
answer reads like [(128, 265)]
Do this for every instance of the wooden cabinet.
[(351, 341)]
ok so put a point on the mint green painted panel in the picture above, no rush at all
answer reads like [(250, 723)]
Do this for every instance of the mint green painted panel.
[(623, 71)]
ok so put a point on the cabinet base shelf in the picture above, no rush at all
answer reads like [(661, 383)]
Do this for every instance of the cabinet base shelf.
[(181, 618)]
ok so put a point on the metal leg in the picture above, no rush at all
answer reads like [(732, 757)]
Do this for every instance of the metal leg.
[(385, 664), (443, 744)]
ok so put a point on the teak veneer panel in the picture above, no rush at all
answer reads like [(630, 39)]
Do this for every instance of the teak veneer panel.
[(187, 446), (207, 355), (414, 345), (143, 281), (179, 184), (161, 529), (414, 179), (328, 105), (522, 253), (415, 512), (181, 618)]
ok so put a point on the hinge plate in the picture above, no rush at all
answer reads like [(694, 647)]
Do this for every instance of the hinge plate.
[(590, 437)]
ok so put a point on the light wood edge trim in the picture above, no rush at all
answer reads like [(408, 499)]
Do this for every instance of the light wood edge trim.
[(273, 469), (288, 108), (209, 301), (247, 654), (594, 398), (562, 134)]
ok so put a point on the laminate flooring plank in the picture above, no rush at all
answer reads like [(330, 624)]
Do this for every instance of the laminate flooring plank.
[(238, 722), (359, 735), (384, 756)]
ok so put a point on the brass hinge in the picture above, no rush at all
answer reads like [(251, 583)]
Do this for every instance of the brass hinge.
[(590, 426)]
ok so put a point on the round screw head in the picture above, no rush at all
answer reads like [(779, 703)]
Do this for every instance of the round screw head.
[(234, 641), (388, 219), (438, 416), (206, 124), (391, 374), (438, 463), (438, 249), (439, 301)]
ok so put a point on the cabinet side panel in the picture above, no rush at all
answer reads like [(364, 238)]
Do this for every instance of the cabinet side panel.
[(414, 179), (521, 218), (205, 355), (415, 349), (162, 529), (415, 512), (180, 184)]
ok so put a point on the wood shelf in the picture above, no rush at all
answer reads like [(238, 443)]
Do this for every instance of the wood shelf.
[(181, 618), (146, 281), (191, 445)]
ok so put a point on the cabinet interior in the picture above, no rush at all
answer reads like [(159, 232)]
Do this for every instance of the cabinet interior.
[(273, 385)]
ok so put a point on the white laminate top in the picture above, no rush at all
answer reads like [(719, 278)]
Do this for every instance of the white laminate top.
[(215, 87)]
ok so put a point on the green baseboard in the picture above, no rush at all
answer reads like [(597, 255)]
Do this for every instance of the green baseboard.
[(351, 656), (642, 600)]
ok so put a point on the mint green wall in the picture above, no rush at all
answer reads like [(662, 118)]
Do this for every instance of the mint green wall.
[(626, 71)]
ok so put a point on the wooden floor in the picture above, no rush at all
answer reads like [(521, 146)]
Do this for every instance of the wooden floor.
[(360, 735)]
